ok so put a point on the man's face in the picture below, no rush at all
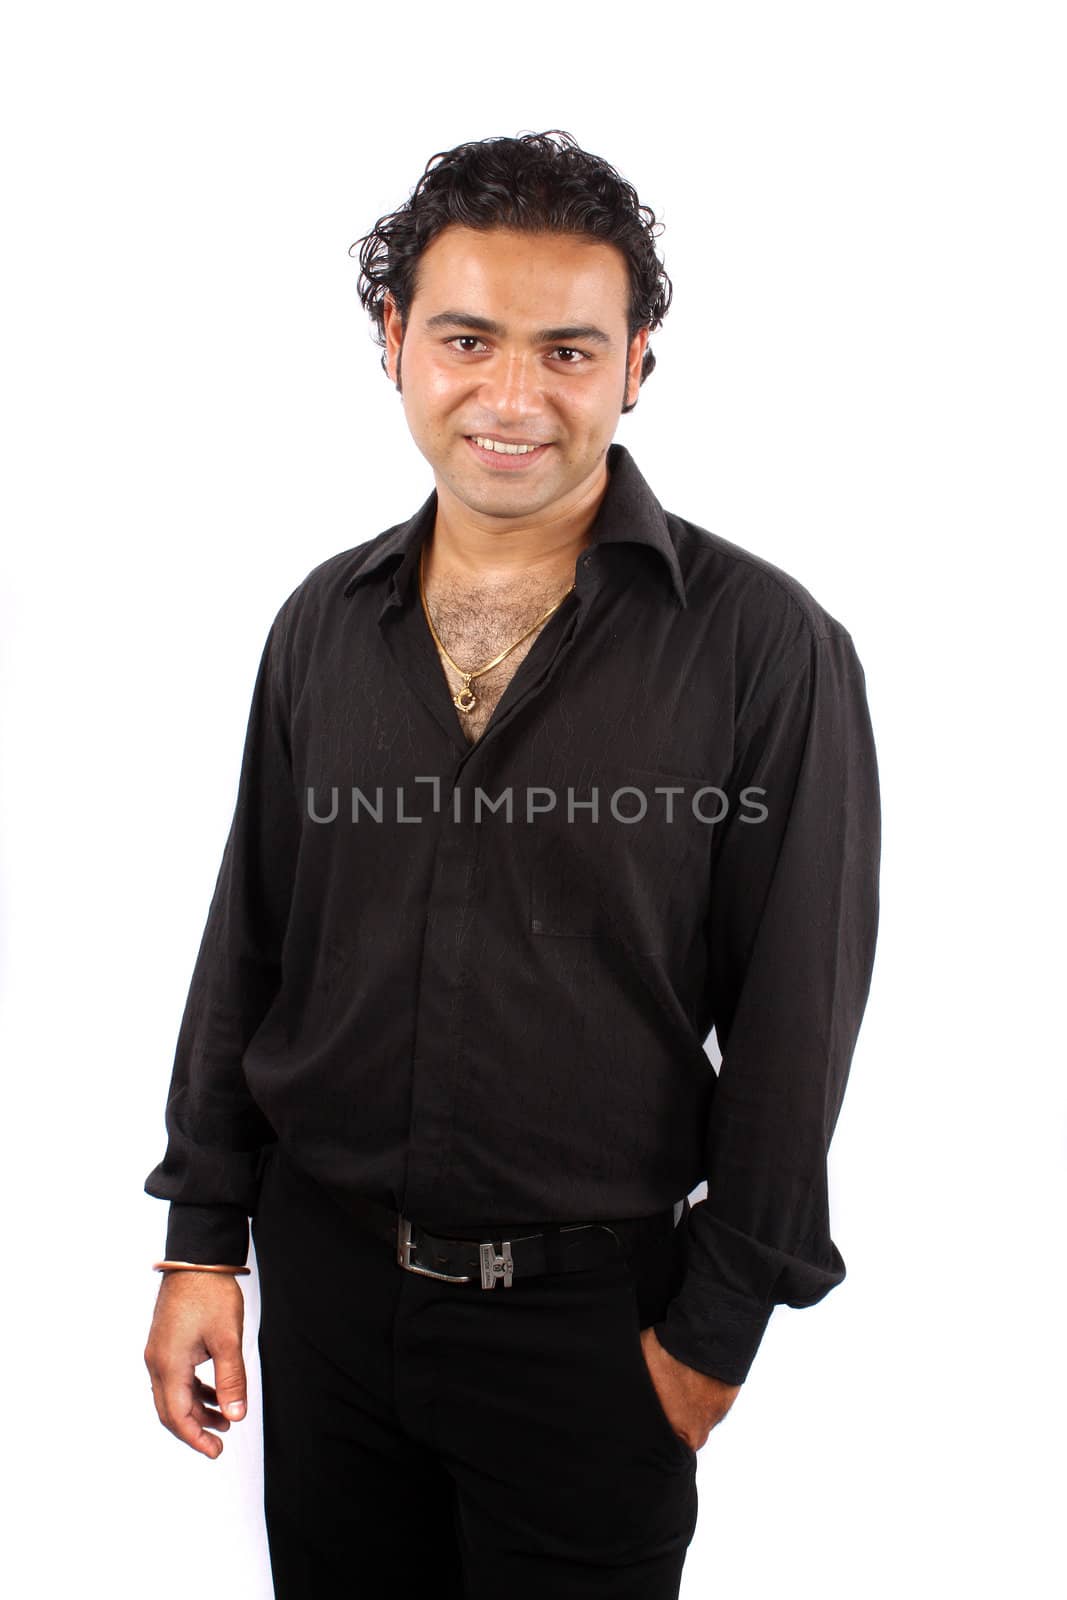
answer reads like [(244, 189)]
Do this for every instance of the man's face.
[(555, 370)]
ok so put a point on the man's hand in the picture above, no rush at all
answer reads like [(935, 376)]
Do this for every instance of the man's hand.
[(693, 1401), (198, 1315)]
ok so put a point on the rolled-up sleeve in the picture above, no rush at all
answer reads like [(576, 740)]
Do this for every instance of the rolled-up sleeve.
[(792, 927), (215, 1132)]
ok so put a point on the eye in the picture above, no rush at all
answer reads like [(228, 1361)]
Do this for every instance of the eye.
[(466, 339), (461, 338)]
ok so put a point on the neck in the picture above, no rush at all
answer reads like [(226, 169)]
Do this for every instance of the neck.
[(471, 547)]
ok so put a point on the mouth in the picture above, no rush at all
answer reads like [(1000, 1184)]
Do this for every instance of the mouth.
[(502, 459)]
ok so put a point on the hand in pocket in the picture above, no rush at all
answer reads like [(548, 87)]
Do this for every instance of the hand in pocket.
[(692, 1401)]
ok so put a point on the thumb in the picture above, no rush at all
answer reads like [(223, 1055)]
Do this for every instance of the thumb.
[(230, 1383)]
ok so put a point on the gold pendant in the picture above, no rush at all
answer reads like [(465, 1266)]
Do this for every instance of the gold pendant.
[(465, 699)]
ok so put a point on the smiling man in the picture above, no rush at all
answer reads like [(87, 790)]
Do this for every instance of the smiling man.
[(515, 411), (540, 786)]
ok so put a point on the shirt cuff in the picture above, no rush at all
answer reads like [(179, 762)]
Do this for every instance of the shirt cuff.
[(721, 1339), (211, 1234)]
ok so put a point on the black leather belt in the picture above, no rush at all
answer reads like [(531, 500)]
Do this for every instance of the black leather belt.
[(557, 1247)]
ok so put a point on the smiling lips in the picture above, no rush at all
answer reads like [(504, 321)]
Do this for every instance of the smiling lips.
[(507, 456)]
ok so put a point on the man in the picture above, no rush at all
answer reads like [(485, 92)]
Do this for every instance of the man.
[(539, 786)]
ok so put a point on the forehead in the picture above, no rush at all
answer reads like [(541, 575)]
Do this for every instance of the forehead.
[(534, 276)]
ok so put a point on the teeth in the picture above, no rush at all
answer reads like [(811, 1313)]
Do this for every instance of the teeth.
[(505, 449)]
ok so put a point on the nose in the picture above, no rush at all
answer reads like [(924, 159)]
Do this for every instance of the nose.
[(509, 388)]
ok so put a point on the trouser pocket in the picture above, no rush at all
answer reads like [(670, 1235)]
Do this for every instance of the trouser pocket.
[(653, 1275)]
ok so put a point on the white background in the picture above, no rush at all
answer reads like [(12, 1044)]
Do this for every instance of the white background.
[(861, 378)]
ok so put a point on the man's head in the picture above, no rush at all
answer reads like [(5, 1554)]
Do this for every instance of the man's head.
[(515, 292)]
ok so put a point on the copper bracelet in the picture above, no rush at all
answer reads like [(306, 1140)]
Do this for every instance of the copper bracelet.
[(197, 1266)]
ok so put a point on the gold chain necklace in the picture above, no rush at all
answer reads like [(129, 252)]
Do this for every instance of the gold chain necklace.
[(466, 699)]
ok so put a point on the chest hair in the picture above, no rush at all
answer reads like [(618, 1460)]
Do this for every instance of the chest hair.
[(477, 622)]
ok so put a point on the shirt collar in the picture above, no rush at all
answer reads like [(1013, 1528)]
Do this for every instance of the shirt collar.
[(629, 512)]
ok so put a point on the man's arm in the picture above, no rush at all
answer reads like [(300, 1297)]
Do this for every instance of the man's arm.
[(216, 1133), (792, 927)]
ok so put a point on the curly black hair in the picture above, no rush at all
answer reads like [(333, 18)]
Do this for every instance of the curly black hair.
[(536, 183)]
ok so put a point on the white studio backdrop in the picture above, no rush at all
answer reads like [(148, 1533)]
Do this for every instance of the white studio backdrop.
[(861, 378)]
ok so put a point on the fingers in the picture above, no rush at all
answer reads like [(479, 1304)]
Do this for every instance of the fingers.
[(204, 1398), (210, 1419), (185, 1408), (197, 1318), (183, 1414), (230, 1386)]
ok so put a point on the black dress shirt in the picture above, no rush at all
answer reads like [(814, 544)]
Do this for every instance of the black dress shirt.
[(441, 978)]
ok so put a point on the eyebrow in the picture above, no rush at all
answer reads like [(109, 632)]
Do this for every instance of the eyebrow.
[(466, 319)]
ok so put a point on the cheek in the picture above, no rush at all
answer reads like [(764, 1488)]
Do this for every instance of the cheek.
[(590, 401), (432, 383), (587, 422)]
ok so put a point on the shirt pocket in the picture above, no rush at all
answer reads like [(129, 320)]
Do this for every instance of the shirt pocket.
[(627, 872)]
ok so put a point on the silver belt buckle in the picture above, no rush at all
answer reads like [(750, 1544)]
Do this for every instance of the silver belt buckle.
[(493, 1266), (496, 1266), (404, 1247)]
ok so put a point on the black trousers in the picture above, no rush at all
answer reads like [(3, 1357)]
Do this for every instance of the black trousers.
[(424, 1438)]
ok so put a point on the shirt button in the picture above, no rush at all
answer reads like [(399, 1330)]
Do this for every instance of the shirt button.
[(535, 926), (587, 561)]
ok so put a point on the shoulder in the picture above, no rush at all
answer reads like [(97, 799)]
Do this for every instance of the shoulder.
[(771, 623), (719, 572), (321, 592)]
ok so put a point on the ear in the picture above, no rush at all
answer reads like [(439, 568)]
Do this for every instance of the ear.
[(635, 357), (393, 328)]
